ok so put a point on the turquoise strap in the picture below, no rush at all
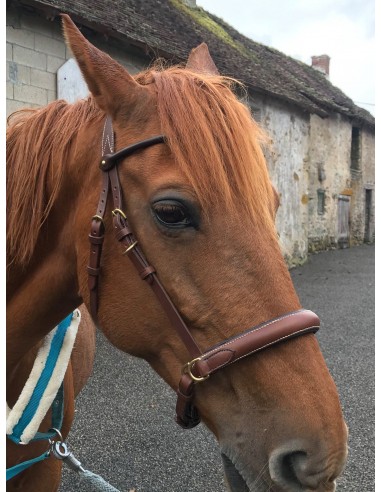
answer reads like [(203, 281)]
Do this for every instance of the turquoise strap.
[(57, 418), (30, 409), (43, 381), (14, 470)]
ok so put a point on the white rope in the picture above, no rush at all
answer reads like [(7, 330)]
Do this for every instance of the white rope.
[(96, 481)]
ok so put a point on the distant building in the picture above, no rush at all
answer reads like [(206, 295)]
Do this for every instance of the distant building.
[(322, 157)]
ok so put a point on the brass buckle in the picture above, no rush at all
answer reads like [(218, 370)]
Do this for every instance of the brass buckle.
[(130, 247), (98, 218), (118, 211), (187, 369)]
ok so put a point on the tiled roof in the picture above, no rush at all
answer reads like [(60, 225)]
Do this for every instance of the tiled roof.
[(168, 28)]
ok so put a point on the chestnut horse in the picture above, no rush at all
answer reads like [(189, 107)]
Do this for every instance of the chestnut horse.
[(202, 208)]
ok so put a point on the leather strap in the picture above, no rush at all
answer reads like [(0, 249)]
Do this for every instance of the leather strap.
[(96, 235), (203, 364), (145, 270), (124, 235), (110, 159), (258, 338)]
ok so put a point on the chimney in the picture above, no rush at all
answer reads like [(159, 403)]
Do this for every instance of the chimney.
[(321, 64)]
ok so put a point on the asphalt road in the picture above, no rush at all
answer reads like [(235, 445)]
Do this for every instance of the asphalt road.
[(124, 427)]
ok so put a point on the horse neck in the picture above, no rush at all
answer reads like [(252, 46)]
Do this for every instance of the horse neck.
[(45, 291)]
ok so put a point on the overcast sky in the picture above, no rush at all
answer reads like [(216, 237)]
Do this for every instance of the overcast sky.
[(341, 29)]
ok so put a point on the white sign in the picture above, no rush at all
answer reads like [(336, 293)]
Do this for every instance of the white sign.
[(71, 86)]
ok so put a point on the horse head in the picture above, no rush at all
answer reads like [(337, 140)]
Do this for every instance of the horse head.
[(202, 208)]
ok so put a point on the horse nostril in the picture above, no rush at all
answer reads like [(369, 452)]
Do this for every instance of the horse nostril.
[(295, 471), (286, 469)]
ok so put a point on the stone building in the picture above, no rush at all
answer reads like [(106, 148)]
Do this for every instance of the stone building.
[(322, 155)]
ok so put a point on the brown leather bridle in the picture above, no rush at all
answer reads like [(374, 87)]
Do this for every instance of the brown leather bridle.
[(203, 363)]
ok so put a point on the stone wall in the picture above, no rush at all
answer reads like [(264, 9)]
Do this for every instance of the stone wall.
[(288, 130), (362, 181), (36, 50), (329, 172), (310, 157)]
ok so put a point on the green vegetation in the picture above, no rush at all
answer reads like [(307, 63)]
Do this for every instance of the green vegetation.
[(201, 17)]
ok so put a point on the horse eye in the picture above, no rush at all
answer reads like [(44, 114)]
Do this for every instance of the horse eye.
[(172, 214)]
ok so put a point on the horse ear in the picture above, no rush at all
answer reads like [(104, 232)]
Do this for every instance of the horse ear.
[(200, 60), (107, 80)]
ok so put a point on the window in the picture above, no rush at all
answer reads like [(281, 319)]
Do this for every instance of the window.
[(355, 149), (320, 202)]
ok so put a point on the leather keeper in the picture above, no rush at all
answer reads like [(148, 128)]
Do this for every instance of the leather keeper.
[(186, 385), (211, 363), (93, 271), (146, 272), (96, 239), (186, 413), (122, 233)]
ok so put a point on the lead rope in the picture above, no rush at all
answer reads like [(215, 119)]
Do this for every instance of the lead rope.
[(60, 450), (44, 390)]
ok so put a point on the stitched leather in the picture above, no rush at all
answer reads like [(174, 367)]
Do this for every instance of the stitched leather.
[(258, 338), (203, 364)]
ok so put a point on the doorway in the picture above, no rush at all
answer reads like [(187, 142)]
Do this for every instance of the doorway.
[(343, 221)]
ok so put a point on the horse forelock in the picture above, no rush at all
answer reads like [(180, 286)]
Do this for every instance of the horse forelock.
[(215, 141), (38, 142)]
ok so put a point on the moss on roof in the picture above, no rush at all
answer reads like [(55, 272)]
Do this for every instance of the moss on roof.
[(205, 20)]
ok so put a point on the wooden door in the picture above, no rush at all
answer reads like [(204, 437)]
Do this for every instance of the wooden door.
[(343, 221), (368, 215)]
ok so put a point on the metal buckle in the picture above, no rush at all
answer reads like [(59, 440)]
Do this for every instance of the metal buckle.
[(187, 369), (98, 218), (130, 247), (118, 211)]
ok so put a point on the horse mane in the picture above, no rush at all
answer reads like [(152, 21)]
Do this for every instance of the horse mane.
[(211, 134), (38, 143)]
